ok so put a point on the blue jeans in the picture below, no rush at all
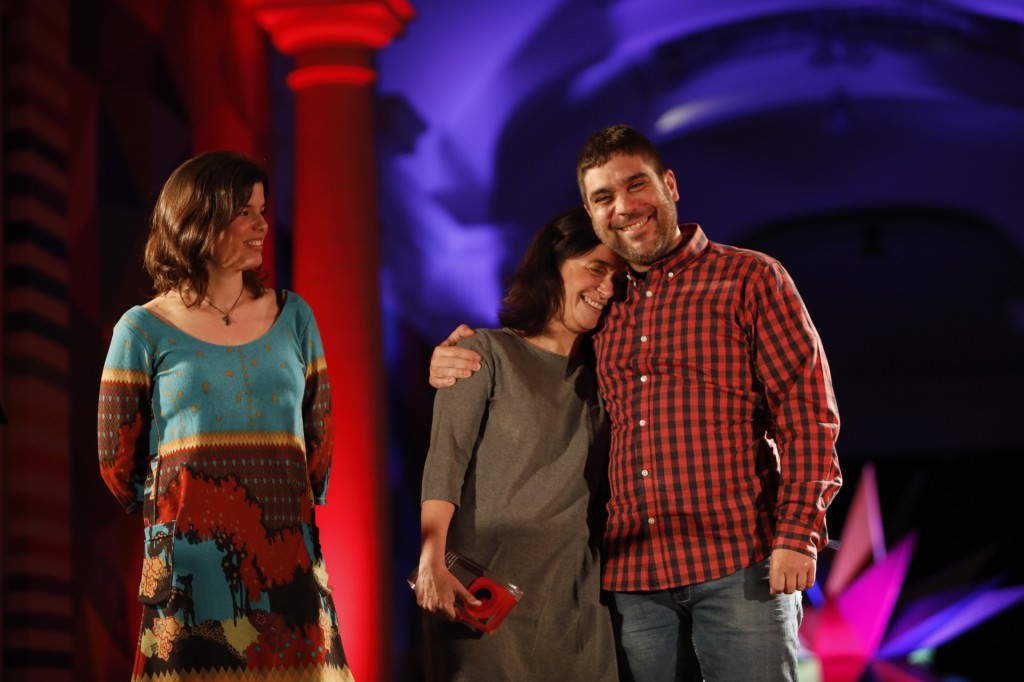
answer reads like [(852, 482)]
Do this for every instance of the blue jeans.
[(725, 630)]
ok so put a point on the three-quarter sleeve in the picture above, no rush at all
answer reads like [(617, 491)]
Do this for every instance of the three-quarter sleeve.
[(317, 425), (125, 415), (459, 416)]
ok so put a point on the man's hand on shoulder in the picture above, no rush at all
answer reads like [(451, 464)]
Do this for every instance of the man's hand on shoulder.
[(449, 363)]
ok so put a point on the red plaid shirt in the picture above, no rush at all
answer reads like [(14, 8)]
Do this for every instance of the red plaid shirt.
[(723, 419)]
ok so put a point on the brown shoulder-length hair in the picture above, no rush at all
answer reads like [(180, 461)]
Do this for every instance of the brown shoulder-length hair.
[(199, 199), (536, 291), (613, 140)]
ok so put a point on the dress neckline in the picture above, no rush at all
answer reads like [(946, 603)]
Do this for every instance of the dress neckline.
[(283, 300)]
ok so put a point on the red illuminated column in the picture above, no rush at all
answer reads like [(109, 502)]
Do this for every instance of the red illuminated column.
[(336, 266)]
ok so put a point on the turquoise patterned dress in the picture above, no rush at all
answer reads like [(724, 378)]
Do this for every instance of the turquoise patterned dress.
[(224, 450)]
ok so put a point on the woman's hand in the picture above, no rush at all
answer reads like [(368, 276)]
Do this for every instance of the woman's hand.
[(439, 592)]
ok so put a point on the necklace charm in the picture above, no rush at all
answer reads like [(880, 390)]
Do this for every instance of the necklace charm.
[(226, 314)]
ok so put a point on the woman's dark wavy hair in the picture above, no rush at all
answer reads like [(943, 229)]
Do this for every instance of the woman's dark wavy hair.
[(199, 199), (536, 292)]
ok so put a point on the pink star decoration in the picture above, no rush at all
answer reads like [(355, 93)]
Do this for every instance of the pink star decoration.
[(851, 626)]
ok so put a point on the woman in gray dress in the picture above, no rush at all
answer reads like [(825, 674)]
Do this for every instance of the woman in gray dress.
[(514, 476)]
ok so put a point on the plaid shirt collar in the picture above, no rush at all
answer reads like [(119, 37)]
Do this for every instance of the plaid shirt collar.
[(693, 243)]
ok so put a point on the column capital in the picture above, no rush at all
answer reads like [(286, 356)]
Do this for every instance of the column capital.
[(299, 25)]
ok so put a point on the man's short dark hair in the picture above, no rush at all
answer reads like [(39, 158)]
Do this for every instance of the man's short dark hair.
[(616, 139)]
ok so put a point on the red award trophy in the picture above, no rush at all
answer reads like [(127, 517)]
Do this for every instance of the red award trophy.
[(497, 596)]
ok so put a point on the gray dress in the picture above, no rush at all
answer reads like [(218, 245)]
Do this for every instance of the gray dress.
[(521, 449)]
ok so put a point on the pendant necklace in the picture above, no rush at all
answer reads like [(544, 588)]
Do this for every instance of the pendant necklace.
[(226, 316)]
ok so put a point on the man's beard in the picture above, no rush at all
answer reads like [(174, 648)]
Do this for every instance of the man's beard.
[(634, 255)]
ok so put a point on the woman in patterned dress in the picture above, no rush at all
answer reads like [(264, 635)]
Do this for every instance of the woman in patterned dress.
[(514, 474), (215, 424)]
